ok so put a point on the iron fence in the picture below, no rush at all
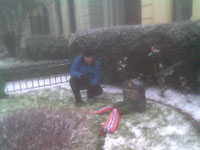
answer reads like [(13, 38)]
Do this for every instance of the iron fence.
[(36, 83), (35, 76)]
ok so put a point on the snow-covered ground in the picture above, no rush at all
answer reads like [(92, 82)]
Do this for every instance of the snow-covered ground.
[(188, 103), (159, 128)]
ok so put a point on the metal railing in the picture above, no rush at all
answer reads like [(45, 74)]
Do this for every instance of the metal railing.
[(36, 83), (35, 76)]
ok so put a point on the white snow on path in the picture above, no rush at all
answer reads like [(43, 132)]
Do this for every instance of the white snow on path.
[(188, 103)]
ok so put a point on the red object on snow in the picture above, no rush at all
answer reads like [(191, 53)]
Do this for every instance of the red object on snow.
[(103, 110), (112, 121), (111, 124)]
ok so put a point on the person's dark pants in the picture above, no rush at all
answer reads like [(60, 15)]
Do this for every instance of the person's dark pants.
[(81, 84)]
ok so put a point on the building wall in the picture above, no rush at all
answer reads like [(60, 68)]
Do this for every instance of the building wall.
[(196, 10), (52, 16), (95, 13), (53, 21), (92, 14), (108, 13), (65, 18), (156, 11), (147, 11), (89, 14), (161, 11), (81, 15), (118, 12)]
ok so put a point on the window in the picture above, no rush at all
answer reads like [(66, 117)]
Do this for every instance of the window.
[(133, 12), (182, 10), (39, 21)]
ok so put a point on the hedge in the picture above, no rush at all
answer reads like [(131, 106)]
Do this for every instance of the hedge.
[(2, 87), (163, 54), (47, 48), (9, 39)]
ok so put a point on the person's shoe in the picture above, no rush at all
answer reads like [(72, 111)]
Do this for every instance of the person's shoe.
[(78, 100), (79, 103), (90, 100)]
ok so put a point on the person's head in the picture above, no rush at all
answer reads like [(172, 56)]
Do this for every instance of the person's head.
[(88, 56)]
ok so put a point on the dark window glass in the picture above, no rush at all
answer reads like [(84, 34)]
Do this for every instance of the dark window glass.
[(39, 21), (182, 10), (133, 12)]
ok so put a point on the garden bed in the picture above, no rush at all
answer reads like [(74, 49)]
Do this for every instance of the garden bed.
[(160, 127)]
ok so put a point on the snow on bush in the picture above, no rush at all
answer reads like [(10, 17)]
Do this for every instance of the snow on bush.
[(48, 129), (125, 52)]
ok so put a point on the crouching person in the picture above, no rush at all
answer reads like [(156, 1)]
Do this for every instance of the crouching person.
[(85, 74)]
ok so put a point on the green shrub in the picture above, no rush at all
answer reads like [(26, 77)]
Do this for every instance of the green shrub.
[(2, 87), (9, 40), (47, 48), (124, 52)]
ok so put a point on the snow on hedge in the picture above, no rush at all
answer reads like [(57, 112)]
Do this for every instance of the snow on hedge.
[(124, 52)]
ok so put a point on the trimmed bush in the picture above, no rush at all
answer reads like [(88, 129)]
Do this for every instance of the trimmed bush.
[(10, 41), (47, 48), (164, 54), (49, 129), (2, 87)]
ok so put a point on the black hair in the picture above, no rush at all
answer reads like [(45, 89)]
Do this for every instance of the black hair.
[(88, 53)]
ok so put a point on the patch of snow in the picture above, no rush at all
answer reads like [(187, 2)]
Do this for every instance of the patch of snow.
[(112, 89), (171, 130), (188, 103), (114, 142), (159, 128)]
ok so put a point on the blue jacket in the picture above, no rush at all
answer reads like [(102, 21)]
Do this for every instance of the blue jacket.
[(80, 67)]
